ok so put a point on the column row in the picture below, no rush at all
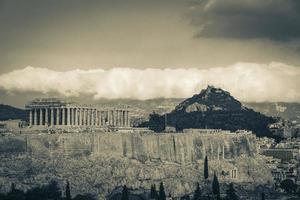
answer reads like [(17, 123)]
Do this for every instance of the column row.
[(78, 117)]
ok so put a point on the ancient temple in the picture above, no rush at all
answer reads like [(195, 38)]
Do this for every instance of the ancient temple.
[(58, 113)]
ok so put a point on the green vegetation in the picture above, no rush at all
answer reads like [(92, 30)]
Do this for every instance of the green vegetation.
[(230, 193), (50, 191), (125, 193), (153, 192), (288, 186), (206, 168), (197, 193), (216, 187), (162, 194), (68, 191)]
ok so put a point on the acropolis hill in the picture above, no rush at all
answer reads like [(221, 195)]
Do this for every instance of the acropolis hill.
[(96, 148), (101, 161)]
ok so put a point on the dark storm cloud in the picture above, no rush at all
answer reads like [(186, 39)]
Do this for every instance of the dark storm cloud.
[(277, 20)]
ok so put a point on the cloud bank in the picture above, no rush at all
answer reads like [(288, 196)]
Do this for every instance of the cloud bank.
[(272, 19), (245, 81)]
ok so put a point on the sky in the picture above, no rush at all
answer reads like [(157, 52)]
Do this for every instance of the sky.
[(145, 49)]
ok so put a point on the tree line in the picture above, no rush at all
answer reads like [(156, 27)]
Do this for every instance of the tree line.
[(50, 191)]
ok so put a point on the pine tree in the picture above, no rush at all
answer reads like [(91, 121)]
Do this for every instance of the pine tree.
[(197, 195), (230, 193), (206, 168), (68, 191), (216, 187), (162, 194), (125, 194)]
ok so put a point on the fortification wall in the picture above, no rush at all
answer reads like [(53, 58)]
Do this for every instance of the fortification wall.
[(172, 147)]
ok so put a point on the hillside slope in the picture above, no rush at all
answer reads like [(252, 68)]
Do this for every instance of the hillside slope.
[(8, 112), (213, 108)]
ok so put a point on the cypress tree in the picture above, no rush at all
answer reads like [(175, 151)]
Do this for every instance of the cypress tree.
[(153, 192), (125, 193), (216, 186), (162, 194), (197, 195), (263, 196), (12, 187), (206, 168), (230, 193), (68, 191)]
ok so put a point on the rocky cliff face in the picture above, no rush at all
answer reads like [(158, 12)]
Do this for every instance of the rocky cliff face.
[(177, 147), (99, 162)]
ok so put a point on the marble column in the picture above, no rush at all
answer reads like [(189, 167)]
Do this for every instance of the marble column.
[(63, 116), (117, 117), (103, 116), (41, 117), (80, 116), (73, 116), (120, 118), (96, 117), (108, 117), (114, 117), (92, 117), (124, 117), (100, 118), (57, 116), (68, 117), (128, 118), (46, 117), (30, 117), (52, 117), (35, 117), (76, 116), (88, 117), (111, 117), (83, 116)]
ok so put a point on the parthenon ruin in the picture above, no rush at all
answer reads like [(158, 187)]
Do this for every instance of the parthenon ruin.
[(59, 113)]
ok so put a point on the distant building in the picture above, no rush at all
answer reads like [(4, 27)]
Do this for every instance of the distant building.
[(279, 153), (284, 129)]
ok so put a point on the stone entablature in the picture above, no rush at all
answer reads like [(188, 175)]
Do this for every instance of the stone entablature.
[(55, 112)]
